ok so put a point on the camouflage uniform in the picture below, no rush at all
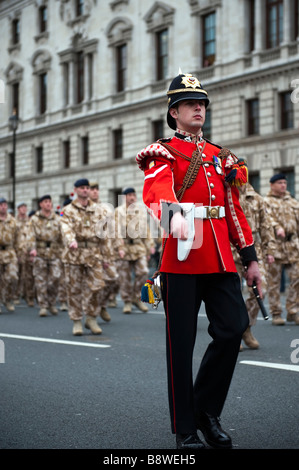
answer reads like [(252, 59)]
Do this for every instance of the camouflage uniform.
[(44, 236), (21, 229), (83, 266), (260, 223), (284, 212), (8, 260), (23, 254), (132, 228), (110, 273)]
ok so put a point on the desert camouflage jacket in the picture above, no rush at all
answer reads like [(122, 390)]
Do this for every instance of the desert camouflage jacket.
[(284, 212), (259, 220), (44, 235), (8, 240), (132, 228), (85, 226)]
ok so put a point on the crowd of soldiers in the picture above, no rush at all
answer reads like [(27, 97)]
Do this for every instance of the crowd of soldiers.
[(80, 256), (88, 252)]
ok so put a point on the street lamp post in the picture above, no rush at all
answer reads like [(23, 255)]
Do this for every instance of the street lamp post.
[(13, 122)]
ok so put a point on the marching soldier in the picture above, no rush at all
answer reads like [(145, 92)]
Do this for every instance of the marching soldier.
[(284, 211), (8, 257), (134, 253), (109, 263), (260, 223), (44, 241), (190, 186), (83, 258), (21, 219)]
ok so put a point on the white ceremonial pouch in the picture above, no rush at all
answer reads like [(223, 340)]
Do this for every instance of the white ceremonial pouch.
[(184, 246)]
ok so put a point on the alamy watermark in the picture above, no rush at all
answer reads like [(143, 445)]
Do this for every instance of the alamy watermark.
[(2, 352), (295, 93), (295, 354)]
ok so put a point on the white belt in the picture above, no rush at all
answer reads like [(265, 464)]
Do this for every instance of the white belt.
[(209, 212), (192, 212)]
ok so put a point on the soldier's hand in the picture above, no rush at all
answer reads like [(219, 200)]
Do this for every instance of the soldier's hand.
[(270, 259), (179, 226), (121, 253), (280, 233), (73, 245), (252, 275), (32, 253)]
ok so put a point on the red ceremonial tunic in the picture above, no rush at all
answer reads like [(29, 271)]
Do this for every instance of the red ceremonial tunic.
[(164, 173)]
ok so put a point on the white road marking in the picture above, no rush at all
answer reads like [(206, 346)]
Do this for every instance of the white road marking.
[(57, 341), (273, 365)]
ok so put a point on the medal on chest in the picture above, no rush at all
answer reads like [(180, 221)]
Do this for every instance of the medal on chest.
[(217, 165)]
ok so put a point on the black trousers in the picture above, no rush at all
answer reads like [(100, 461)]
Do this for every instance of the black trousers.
[(228, 319)]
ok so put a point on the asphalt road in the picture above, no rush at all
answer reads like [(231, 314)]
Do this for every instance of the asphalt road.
[(109, 391)]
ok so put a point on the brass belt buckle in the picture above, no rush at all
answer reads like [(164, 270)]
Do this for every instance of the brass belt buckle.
[(213, 212)]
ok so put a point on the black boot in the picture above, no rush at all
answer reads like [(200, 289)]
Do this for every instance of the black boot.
[(213, 433), (189, 441)]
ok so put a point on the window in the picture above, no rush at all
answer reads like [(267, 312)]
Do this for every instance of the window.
[(79, 7), (80, 77), (158, 129), (296, 20), (251, 22), (117, 144), (43, 78), (66, 154), (121, 67), (209, 39), (43, 18), (207, 125), (66, 97), (85, 150), (15, 97), (253, 123), (15, 31), (254, 180), (161, 54), (274, 19), (287, 111), (39, 159)]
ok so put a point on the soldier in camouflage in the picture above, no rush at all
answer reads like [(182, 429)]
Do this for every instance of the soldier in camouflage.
[(44, 242), (8, 257), (21, 220), (109, 262), (260, 223), (132, 228), (83, 258), (284, 211)]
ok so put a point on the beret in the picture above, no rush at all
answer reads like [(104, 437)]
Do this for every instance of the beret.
[(94, 184), (278, 176), (81, 182), (42, 198), (2, 199), (21, 204), (128, 191)]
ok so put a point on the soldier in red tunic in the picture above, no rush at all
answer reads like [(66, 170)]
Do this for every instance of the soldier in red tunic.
[(190, 186)]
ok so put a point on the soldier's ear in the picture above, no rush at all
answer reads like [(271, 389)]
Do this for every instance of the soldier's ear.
[(173, 113)]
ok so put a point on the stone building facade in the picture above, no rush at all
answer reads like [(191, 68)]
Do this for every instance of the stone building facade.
[(88, 81)]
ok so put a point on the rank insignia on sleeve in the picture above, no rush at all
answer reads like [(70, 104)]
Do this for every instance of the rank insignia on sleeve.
[(152, 163)]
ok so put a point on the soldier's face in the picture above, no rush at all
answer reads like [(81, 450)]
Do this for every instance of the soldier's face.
[(3, 208), (279, 187), (46, 205), (94, 194), (131, 198), (83, 192), (190, 115)]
